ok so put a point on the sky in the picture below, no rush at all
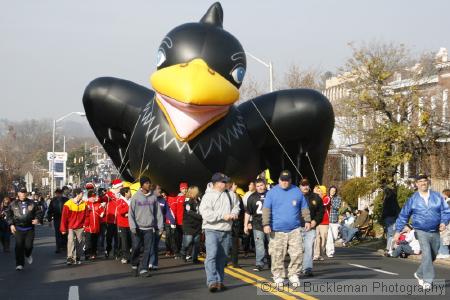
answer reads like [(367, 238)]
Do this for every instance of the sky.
[(51, 49)]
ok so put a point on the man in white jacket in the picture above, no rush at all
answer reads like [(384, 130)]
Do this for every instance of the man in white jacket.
[(218, 209)]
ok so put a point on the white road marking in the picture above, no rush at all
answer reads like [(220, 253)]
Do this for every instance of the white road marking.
[(73, 293), (376, 270)]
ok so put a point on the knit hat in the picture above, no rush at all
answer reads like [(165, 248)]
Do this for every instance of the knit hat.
[(116, 184)]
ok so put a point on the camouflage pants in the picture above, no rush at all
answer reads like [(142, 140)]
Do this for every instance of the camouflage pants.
[(286, 242)]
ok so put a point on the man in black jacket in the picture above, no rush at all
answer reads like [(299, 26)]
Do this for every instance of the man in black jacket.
[(54, 213), (22, 215), (316, 209)]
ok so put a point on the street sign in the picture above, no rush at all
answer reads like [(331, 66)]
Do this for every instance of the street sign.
[(60, 156)]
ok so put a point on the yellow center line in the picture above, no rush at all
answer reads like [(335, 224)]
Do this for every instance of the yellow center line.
[(259, 278)]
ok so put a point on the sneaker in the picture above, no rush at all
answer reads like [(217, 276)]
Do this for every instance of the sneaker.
[(123, 261), (278, 280), (426, 286), (258, 268), (442, 256), (78, 262), (321, 258), (188, 257), (150, 266), (106, 254), (294, 281), (330, 256), (213, 287), (29, 259), (315, 258), (70, 261), (134, 267), (418, 279), (155, 268), (145, 273), (19, 268), (93, 257), (308, 273)]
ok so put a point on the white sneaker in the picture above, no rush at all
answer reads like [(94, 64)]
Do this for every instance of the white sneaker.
[(29, 259), (278, 280), (150, 266), (123, 261), (426, 286), (134, 267), (442, 256), (418, 279), (19, 268), (294, 281)]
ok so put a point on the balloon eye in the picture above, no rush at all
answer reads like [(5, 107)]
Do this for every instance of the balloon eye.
[(161, 58), (238, 74)]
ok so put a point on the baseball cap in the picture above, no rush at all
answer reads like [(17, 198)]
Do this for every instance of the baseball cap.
[(421, 176), (220, 177), (285, 175)]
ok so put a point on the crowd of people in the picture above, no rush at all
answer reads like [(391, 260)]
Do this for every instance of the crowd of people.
[(272, 220)]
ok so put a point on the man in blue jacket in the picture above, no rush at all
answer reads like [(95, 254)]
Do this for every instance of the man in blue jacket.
[(430, 214), (282, 209)]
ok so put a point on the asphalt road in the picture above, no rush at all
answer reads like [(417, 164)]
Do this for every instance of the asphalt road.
[(49, 278)]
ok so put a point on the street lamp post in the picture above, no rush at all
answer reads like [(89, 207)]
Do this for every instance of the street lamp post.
[(82, 114), (267, 65)]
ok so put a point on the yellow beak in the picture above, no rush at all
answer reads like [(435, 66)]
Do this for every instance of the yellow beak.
[(194, 83)]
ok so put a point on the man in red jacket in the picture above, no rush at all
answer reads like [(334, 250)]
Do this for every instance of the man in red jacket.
[(179, 217), (72, 222), (95, 210), (123, 225), (111, 218)]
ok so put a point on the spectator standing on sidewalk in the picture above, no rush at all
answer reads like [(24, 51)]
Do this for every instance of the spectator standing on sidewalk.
[(322, 228), (333, 229), (430, 214)]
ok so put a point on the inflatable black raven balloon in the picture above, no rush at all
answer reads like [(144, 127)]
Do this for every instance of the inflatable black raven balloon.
[(188, 128)]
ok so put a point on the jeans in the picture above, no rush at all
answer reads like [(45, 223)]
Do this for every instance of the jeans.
[(101, 236), (187, 241), (24, 245), (389, 227), (142, 238), (217, 249), (154, 256), (261, 243), (170, 239), (5, 238), (348, 233), (308, 244), (429, 244), (333, 232), (443, 249), (406, 248)]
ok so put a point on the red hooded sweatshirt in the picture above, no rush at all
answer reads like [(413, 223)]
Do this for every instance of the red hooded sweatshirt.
[(122, 212), (111, 208), (326, 213), (95, 210)]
